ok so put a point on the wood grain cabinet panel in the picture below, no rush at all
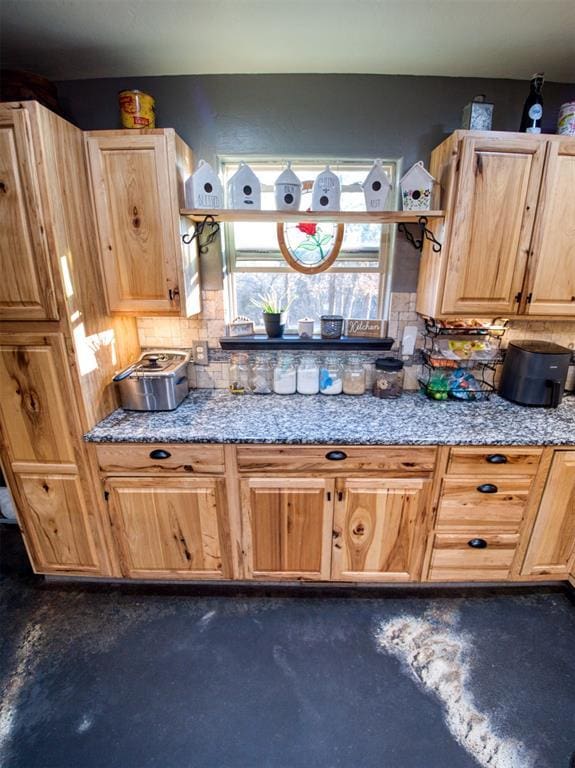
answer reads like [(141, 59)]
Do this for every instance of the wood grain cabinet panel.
[(57, 524), (26, 288), (454, 558), (551, 273), (492, 224), (552, 543), (171, 528), (160, 458), (287, 525), (463, 505), (494, 461), (380, 530), (35, 400)]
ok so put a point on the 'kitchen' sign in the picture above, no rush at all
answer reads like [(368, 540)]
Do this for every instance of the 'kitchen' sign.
[(367, 328)]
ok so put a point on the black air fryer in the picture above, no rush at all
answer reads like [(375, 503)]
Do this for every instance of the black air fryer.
[(534, 373)]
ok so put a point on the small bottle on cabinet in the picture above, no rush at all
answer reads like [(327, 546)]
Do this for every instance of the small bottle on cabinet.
[(308, 376), (354, 376), (285, 374), (330, 376), (261, 376), (388, 377), (533, 109), (239, 374)]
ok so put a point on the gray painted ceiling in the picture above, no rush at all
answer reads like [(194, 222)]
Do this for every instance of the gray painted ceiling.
[(70, 39)]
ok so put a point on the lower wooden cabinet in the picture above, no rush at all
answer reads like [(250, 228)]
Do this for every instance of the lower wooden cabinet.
[(287, 526), (170, 527), (552, 544), (380, 529), (464, 557), (56, 523)]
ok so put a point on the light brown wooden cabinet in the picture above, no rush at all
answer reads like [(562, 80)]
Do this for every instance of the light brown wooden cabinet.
[(138, 182), (552, 545), (380, 529), (171, 527), (508, 244)]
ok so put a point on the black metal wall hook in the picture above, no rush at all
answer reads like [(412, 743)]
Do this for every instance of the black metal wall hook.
[(203, 245), (425, 234)]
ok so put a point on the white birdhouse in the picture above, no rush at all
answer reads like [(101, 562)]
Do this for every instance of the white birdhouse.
[(326, 192), (416, 186), (244, 189), (204, 189), (376, 188), (288, 190)]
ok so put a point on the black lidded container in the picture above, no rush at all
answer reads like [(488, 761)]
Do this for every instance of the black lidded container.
[(534, 373)]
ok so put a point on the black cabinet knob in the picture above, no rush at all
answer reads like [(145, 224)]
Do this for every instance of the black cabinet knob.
[(336, 455), (159, 453), (496, 458), (487, 488), (477, 544)]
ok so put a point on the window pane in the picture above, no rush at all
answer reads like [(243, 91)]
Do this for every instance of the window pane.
[(347, 294)]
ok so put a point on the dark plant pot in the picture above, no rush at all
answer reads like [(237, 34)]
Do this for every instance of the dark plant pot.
[(274, 324)]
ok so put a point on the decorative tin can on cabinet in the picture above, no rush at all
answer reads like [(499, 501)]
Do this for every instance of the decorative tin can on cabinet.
[(288, 190), (204, 189), (244, 189), (416, 187), (326, 192), (477, 115), (376, 188)]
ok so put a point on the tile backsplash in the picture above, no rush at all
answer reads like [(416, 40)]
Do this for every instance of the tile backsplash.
[(209, 326)]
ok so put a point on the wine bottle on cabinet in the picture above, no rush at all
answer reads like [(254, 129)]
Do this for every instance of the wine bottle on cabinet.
[(533, 109)]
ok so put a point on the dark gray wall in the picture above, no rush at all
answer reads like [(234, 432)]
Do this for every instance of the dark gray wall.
[(321, 115)]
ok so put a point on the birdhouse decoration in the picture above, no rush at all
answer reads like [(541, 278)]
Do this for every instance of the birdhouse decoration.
[(288, 190), (326, 192), (376, 188), (244, 189), (204, 189), (416, 186)]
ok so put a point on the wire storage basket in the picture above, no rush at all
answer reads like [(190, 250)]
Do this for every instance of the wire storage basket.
[(331, 326)]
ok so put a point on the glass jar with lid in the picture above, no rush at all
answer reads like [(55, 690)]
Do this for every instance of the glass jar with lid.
[(388, 377), (331, 376), (308, 375), (261, 376), (285, 374), (239, 373), (353, 376)]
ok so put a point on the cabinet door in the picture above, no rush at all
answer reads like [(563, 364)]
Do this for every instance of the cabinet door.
[(171, 528), (35, 402), (491, 224), (379, 530), (137, 222), (551, 283), (553, 539), (56, 523), (287, 526), (26, 289)]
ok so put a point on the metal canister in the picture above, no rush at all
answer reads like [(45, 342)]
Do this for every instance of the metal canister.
[(566, 119), (137, 109)]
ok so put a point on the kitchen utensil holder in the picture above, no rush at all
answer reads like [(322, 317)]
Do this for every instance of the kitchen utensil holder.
[(331, 326)]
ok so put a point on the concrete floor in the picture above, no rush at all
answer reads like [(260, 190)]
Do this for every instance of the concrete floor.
[(117, 678)]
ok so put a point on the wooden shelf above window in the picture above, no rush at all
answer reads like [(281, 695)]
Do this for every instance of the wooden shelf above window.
[(338, 217)]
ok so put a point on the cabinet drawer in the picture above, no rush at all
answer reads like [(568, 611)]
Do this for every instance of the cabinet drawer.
[(462, 503), (494, 460), (454, 558), (154, 458), (333, 459)]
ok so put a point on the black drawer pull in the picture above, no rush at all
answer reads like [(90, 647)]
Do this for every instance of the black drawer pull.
[(487, 488), (477, 544), (496, 458), (159, 453), (336, 455)]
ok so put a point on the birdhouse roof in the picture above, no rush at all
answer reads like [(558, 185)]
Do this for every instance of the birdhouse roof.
[(205, 171), (327, 172), (244, 174), (287, 176), (416, 171), (377, 172)]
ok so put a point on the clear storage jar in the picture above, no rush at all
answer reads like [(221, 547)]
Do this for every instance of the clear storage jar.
[(308, 375), (261, 376), (388, 377), (331, 376), (353, 376), (285, 374), (239, 373)]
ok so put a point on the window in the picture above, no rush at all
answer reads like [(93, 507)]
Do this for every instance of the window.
[(357, 283)]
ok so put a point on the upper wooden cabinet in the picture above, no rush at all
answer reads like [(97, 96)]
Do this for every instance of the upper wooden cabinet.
[(508, 237), (138, 182), (552, 544), (26, 288)]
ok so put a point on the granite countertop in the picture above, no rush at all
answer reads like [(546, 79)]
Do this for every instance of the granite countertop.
[(216, 416)]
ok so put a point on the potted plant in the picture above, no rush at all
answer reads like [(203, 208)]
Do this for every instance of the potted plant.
[(274, 311)]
